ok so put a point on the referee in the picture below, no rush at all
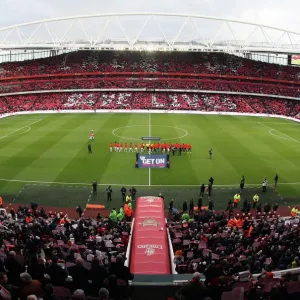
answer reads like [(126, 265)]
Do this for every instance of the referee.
[(90, 149)]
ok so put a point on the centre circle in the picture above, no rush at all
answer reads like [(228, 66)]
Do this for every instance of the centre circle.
[(185, 133)]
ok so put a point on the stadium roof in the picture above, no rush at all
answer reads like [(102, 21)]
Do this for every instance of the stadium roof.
[(149, 31)]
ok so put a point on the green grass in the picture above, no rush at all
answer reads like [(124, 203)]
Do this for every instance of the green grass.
[(53, 148)]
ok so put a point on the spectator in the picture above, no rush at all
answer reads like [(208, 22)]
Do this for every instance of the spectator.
[(49, 292), (5, 289), (57, 274), (97, 274), (32, 297), (103, 294), (117, 288), (79, 274), (78, 295), (195, 289), (122, 272), (30, 286), (14, 268)]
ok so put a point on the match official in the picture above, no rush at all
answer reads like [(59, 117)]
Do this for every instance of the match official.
[(276, 180), (210, 153), (123, 193), (132, 192), (109, 192), (202, 190), (242, 184), (90, 148), (95, 188)]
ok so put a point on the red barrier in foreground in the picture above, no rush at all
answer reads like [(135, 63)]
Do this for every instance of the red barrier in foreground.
[(150, 249)]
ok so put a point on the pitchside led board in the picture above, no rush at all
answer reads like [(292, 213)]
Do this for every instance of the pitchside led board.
[(152, 161)]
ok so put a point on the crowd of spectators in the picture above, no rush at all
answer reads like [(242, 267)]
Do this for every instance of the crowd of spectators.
[(113, 61), (150, 83), (150, 100), (51, 257), (155, 68), (228, 249)]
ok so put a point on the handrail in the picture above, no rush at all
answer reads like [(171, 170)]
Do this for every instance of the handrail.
[(171, 251), (128, 251), (164, 74)]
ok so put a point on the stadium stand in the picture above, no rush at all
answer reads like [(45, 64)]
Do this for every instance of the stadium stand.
[(56, 255), (49, 248), (254, 254), (116, 61), (149, 100)]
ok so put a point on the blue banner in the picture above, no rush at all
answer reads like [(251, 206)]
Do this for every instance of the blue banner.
[(152, 161)]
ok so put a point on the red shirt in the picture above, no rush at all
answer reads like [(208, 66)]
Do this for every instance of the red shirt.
[(125, 145), (130, 146), (121, 145), (136, 145), (142, 145), (110, 145), (116, 145)]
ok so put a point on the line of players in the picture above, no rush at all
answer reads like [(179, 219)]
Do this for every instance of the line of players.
[(155, 147)]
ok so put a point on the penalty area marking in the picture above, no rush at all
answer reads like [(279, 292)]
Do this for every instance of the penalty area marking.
[(135, 139), (278, 136), (284, 136), (27, 126), (126, 184)]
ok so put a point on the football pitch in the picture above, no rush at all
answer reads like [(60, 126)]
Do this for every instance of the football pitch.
[(44, 157)]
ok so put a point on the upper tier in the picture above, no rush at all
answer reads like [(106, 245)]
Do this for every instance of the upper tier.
[(117, 61)]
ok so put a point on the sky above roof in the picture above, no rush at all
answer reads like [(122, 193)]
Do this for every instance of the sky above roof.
[(284, 14), (276, 13)]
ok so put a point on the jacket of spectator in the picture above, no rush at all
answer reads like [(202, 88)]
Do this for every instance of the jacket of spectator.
[(194, 290), (97, 274), (121, 271), (57, 274), (79, 274), (14, 268)]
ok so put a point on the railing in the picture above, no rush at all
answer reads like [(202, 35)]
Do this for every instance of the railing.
[(171, 251), (127, 261)]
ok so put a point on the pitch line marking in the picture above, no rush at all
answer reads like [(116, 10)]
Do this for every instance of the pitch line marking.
[(126, 184), (277, 136), (129, 138), (279, 123), (88, 201), (287, 136), (4, 136), (14, 199)]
